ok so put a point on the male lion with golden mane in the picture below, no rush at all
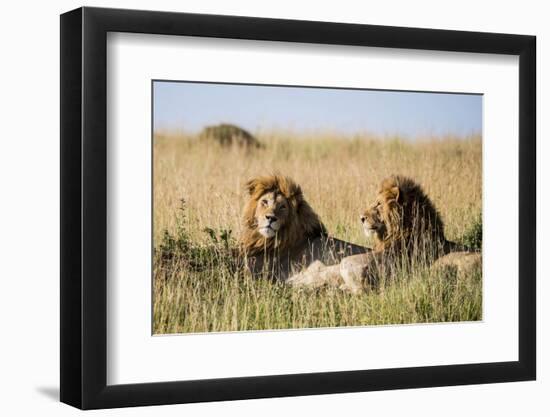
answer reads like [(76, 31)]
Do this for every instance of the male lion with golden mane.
[(407, 230), (282, 234), (404, 220)]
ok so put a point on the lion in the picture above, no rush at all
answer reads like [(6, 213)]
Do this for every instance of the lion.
[(460, 264), (407, 229), (282, 234), (403, 219)]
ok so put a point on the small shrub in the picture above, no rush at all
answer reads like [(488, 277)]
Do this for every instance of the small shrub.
[(176, 249), (473, 237), (177, 243), (228, 135)]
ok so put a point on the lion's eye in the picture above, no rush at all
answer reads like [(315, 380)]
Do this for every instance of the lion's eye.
[(283, 207), (264, 202)]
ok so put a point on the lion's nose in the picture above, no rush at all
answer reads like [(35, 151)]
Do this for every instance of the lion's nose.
[(271, 218), (363, 218)]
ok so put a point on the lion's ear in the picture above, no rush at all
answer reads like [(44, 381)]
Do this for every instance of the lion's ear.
[(250, 186), (396, 194)]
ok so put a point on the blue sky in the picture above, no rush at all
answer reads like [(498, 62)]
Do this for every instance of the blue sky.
[(191, 106)]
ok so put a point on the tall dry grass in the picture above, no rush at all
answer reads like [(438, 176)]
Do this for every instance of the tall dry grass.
[(339, 177)]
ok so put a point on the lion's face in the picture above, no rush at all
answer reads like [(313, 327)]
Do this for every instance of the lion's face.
[(372, 222), (379, 217), (276, 207), (402, 213), (271, 213)]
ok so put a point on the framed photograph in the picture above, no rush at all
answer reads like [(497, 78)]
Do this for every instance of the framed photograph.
[(257, 208)]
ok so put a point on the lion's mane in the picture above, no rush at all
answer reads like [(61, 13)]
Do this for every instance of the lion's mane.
[(302, 224), (412, 222)]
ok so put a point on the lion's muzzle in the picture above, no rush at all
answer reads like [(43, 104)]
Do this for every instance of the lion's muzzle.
[(269, 226)]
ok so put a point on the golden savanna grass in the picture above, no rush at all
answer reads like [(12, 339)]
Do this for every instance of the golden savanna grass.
[(198, 192)]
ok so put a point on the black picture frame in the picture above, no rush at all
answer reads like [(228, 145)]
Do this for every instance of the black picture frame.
[(84, 207)]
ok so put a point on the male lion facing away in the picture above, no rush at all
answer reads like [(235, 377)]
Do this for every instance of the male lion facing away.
[(407, 231), (282, 234)]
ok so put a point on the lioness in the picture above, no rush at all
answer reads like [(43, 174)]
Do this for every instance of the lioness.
[(282, 234)]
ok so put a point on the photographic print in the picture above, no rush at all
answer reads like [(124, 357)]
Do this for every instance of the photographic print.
[(308, 188), (291, 207)]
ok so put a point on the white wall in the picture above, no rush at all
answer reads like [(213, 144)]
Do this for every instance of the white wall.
[(29, 175)]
